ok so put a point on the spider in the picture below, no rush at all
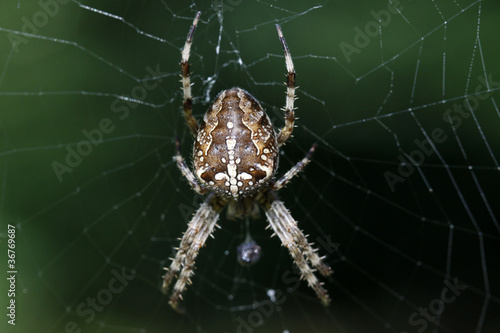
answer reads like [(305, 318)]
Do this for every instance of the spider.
[(235, 158)]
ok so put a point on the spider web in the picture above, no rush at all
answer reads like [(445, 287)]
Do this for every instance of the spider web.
[(401, 195)]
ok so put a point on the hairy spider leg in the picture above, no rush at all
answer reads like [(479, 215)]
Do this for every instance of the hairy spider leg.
[(294, 170), (186, 172), (301, 240), (186, 82), (199, 228), (286, 132), (283, 224)]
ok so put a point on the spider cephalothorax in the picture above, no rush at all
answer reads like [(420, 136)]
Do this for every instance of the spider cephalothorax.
[(235, 159)]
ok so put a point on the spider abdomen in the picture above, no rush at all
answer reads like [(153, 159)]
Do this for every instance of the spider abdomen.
[(235, 152)]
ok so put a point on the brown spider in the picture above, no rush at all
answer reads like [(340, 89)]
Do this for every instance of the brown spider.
[(235, 159)]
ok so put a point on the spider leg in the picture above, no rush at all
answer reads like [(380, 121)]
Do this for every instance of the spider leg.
[(294, 170), (301, 251), (186, 82), (199, 228), (187, 239), (286, 132), (186, 172)]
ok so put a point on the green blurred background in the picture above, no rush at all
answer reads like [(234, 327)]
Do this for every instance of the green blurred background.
[(125, 204)]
